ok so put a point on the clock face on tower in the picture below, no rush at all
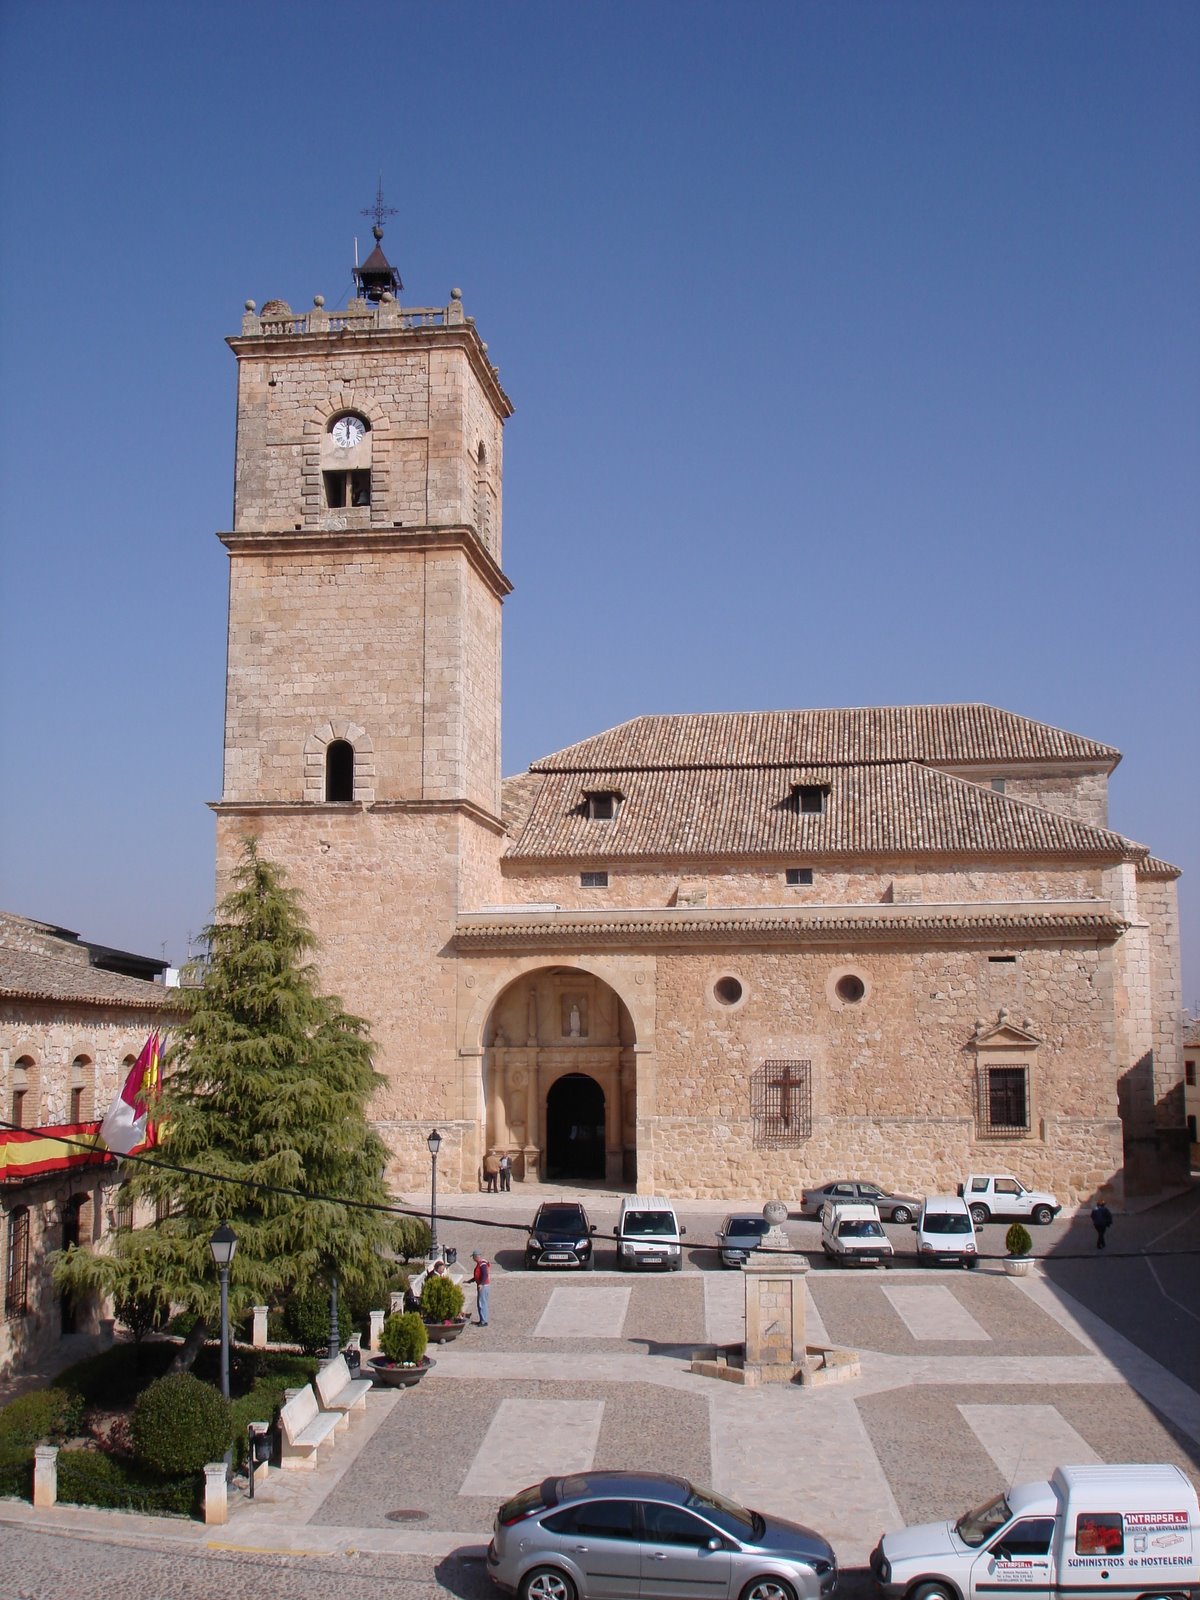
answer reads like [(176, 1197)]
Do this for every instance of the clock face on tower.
[(348, 431)]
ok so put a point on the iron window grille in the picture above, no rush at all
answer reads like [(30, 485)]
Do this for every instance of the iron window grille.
[(1004, 1102), (781, 1104), (16, 1276)]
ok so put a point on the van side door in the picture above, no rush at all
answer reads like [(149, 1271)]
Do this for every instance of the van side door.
[(1017, 1560)]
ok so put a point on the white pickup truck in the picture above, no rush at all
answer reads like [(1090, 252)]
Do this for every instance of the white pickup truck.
[(990, 1195), (1089, 1533)]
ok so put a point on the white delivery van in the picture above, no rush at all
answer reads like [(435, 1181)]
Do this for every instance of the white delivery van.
[(1132, 1531), (648, 1234), (853, 1236)]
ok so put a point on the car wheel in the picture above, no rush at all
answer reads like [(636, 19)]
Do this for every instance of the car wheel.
[(902, 1214), (1042, 1215), (980, 1215), (677, 1264), (933, 1591), (971, 1263), (547, 1583), (529, 1263), (590, 1264), (767, 1589)]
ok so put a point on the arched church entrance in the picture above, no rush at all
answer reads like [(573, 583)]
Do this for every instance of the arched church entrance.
[(560, 1079), (575, 1128)]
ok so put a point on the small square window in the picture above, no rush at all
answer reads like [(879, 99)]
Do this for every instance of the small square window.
[(799, 877), (601, 804), (810, 798), (593, 880)]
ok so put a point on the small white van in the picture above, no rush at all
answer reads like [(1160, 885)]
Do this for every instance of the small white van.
[(853, 1236), (648, 1234), (945, 1232), (1091, 1531)]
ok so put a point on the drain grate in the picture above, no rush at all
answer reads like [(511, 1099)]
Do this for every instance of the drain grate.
[(406, 1515)]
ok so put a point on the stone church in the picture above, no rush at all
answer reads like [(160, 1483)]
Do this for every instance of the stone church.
[(727, 954)]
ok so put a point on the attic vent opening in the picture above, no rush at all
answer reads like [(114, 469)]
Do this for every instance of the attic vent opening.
[(601, 804), (810, 798)]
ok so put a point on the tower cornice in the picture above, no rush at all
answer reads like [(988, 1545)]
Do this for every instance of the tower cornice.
[(317, 541)]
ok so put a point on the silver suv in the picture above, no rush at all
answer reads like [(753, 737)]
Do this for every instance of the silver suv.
[(639, 1533)]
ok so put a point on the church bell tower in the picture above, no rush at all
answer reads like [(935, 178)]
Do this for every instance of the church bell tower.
[(362, 715)]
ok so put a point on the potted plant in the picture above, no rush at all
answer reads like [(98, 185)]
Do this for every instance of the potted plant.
[(442, 1308), (1019, 1245), (403, 1362)]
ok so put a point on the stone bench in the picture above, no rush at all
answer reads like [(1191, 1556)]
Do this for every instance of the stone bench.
[(304, 1427), (339, 1392)]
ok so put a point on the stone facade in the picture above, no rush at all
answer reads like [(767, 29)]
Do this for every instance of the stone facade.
[(727, 955)]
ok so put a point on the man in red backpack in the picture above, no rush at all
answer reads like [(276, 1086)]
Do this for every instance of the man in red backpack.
[(482, 1278)]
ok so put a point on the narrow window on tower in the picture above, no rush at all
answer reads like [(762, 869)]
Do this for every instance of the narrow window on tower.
[(339, 770)]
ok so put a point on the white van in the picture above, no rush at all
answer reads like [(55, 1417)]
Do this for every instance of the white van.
[(852, 1235), (648, 1234), (1091, 1531), (945, 1232)]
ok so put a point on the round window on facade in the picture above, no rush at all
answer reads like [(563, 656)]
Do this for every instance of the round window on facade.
[(850, 988), (728, 991)]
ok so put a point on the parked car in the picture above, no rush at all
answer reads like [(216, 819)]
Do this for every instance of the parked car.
[(561, 1236), (895, 1207), (990, 1195), (606, 1534), (739, 1235), (648, 1234), (853, 1236), (945, 1233)]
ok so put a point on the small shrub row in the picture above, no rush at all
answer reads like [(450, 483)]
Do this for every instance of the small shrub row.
[(42, 1415), (90, 1478), (16, 1469), (114, 1378)]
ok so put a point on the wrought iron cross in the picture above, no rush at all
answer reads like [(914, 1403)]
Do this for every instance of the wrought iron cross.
[(379, 211)]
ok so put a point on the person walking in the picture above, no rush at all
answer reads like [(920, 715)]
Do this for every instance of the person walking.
[(491, 1170), (505, 1173), (482, 1279), (1102, 1222)]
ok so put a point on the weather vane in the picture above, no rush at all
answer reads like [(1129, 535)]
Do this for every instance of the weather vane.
[(379, 211)]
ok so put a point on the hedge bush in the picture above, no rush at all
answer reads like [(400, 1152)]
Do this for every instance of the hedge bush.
[(90, 1478), (116, 1377), (16, 1469), (41, 1415), (441, 1299), (306, 1319), (179, 1423), (263, 1399), (404, 1338), (1017, 1240)]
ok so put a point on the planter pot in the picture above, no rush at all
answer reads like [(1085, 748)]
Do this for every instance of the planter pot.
[(393, 1376), (1017, 1266), (443, 1332)]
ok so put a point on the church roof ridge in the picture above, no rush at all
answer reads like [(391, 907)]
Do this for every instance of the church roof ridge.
[(958, 734)]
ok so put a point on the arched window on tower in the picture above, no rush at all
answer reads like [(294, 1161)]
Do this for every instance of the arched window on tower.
[(339, 770)]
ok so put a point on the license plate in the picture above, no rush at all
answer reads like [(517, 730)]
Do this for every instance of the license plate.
[(558, 1255), (653, 1261)]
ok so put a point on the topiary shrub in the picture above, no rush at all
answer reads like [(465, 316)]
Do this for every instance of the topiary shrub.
[(43, 1414), (180, 1423), (1017, 1240), (306, 1319), (404, 1338), (441, 1299)]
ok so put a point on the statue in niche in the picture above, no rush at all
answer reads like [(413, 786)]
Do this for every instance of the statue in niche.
[(575, 1018)]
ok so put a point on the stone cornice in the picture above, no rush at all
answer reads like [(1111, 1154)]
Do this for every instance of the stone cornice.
[(317, 541), (1076, 922), (343, 808)]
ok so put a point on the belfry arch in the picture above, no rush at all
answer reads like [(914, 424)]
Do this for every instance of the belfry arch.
[(559, 1056)]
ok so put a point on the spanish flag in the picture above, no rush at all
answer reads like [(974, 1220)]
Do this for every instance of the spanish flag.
[(127, 1124)]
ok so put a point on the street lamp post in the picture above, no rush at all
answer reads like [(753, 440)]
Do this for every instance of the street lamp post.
[(335, 1337), (223, 1245), (434, 1144)]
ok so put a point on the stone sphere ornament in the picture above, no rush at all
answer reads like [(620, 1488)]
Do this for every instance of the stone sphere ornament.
[(775, 1212)]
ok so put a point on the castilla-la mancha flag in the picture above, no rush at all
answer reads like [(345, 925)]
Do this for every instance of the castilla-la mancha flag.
[(128, 1121)]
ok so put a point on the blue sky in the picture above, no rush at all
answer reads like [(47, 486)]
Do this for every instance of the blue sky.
[(854, 347)]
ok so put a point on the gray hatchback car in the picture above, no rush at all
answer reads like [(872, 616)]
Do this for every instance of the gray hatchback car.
[(643, 1536)]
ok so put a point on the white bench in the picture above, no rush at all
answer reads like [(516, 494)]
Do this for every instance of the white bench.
[(338, 1391), (304, 1428)]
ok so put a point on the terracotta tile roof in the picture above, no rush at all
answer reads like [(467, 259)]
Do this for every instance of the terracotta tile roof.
[(26, 976), (1153, 867), (840, 927), (954, 735), (899, 809)]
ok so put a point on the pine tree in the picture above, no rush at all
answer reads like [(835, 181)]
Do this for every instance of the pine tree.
[(266, 1082)]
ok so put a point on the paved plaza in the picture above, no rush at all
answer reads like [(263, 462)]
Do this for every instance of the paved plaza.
[(969, 1381)]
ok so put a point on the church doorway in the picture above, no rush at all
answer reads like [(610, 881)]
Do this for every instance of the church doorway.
[(575, 1128)]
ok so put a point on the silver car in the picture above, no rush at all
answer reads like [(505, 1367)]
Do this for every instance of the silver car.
[(738, 1235), (643, 1536)]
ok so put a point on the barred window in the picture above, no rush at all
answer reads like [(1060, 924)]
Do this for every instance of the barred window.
[(781, 1103), (1004, 1101), (123, 1210), (16, 1273)]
